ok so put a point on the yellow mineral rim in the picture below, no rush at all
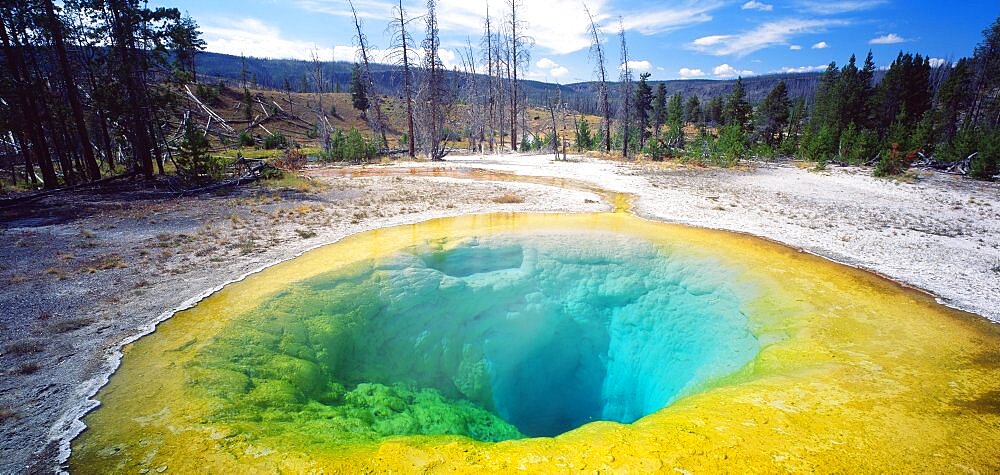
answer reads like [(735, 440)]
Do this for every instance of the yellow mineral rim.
[(856, 373)]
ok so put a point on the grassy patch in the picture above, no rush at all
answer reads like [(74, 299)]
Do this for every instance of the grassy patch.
[(298, 183), (508, 198)]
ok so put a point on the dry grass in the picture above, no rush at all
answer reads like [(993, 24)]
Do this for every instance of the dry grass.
[(106, 262), (508, 198)]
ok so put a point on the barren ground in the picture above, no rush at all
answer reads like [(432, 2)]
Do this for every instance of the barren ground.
[(91, 271)]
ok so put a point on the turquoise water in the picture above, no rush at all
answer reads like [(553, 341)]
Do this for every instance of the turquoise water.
[(495, 338)]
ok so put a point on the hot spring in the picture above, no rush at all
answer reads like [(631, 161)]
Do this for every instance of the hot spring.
[(503, 341), (531, 334)]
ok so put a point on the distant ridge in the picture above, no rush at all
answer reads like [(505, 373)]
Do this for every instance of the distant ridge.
[(273, 74)]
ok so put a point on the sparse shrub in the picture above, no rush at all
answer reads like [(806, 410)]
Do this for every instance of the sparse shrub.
[(857, 147), (207, 94), (245, 139), (731, 146), (193, 161), (275, 141), (819, 147), (762, 151), (305, 233), (986, 164), (291, 160), (655, 149), (894, 162)]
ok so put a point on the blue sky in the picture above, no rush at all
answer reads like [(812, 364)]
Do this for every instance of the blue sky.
[(704, 39)]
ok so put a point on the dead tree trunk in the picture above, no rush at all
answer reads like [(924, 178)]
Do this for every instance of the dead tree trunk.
[(72, 94), (376, 122), (626, 80), (603, 103)]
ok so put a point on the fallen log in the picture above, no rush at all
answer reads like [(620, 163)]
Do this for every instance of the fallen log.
[(10, 202)]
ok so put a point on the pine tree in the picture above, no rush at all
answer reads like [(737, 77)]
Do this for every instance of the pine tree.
[(773, 114), (826, 108), (737, 110), (643, 106), (358, 89), (713, 111), (955, 99), (692, 110), (584, 139), (659, 108)]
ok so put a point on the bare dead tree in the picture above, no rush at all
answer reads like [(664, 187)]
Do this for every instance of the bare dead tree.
[(553, 105), (518, 58), (626, 84), (401, 50), (375, 121), (323, 125), (487, 46), (434, 91), (474, 109), (604, 105)]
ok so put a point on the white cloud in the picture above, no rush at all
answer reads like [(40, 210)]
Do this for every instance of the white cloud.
[(828, 7), (764, 36), (253, 37), (727, 71), (687, 73), (820, 45), (711, 40), (804, 69), (755, 5), (650, 22), (795, 47), (637, 66), (889, 39), (546, 63), (556, 26), (550, 69), (558, 72), (937, 62)]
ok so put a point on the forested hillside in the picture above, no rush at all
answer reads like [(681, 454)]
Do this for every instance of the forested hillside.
[(298, 76)]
